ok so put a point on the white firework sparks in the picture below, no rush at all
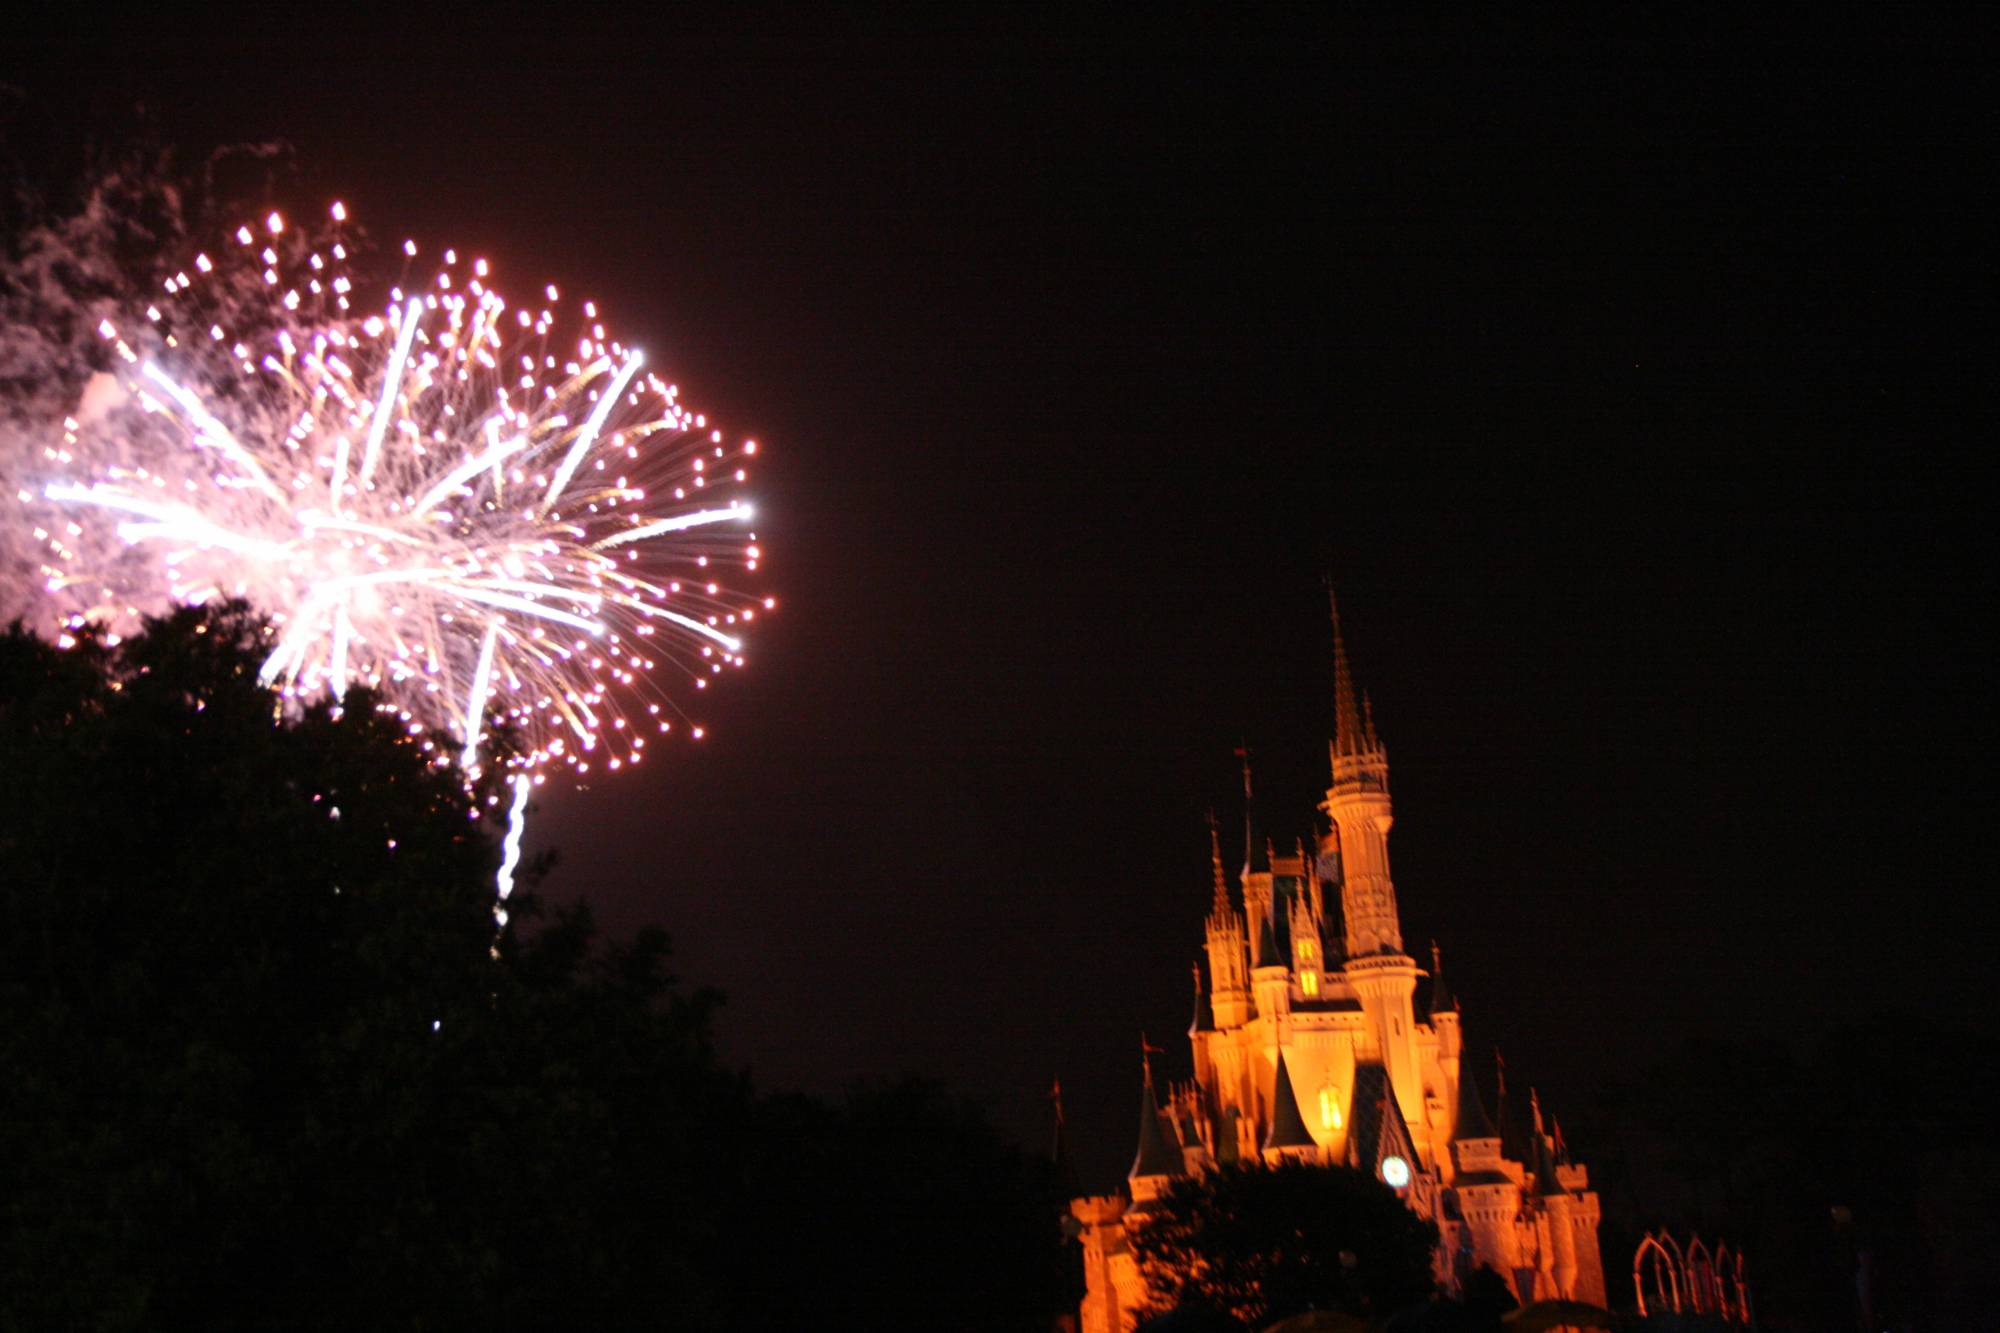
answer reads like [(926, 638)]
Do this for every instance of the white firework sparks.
[(448, 502)]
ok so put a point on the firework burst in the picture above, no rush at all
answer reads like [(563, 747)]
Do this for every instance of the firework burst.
[(491, 514)]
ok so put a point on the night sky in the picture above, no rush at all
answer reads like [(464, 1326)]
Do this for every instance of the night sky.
[(1616, 380)]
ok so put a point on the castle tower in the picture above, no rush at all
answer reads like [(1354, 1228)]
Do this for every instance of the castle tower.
[(1357, 802), (1383, 976), (1489, 1198), (1559, 1261)]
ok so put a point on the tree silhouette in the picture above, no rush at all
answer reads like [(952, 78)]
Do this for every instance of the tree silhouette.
[(268, 1064), (1260, 1243)]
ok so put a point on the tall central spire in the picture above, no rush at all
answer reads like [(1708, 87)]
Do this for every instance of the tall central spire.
[(1347, 733)]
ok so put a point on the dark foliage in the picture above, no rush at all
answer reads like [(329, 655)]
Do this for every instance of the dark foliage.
[(902, 1208), (1260, 1243), (263, 1068)]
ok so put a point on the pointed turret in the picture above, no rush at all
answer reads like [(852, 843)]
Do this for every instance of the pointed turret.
[(1256, 851), (1228, 961), (1288, 1127), (1517, 1130), (1157, 1157), (1472, 1122), (1442, 1000), (1219, 907), (1267, 946), (1204, 1013), (1376, 1128), (1547, 1185), (1059, 1158), (1347, 734)]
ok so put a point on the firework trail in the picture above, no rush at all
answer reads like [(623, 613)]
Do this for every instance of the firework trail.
[(493, 515)]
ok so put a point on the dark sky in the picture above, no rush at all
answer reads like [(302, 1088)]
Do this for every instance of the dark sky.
[(1617, 381)]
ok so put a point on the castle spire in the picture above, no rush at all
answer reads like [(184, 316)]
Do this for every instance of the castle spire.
[(1253, 863), (1156, 1156), (1472, 1122), (1442, 1000), (1548, 1184), (1204, 1013), (1059, 1159), (1221, 905), (1347, 728)]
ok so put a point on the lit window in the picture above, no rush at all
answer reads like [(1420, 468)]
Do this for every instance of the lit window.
[(1329, 1108), (1309, 983), (1305, 951)]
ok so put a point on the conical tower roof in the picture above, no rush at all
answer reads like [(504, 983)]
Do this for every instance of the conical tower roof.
[(1267, 946), (1375, 1125), (1472, 1121), (1256, 854), (1442, 1000), (1288, 1127), (1546, 1184), (1512, 1115), (1348, 736), (1059, 1158), (1156, 1156), (1204, 1012)]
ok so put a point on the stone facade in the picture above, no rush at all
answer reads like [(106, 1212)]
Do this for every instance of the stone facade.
[(1307, 1045)]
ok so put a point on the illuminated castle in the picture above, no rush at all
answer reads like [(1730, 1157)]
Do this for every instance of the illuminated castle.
[(1308, 1046)]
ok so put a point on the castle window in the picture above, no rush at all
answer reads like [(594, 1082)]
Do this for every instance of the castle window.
[(1329, 1108), (1305, 951), (1309, 983)]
